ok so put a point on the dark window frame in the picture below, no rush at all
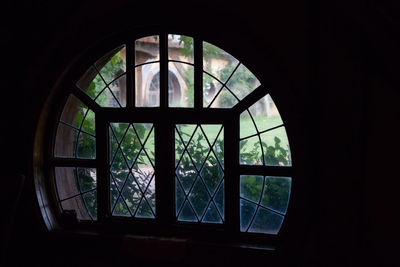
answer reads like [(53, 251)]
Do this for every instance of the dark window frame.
[(229, 118)]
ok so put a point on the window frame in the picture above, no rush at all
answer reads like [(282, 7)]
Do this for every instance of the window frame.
[(229, 118)]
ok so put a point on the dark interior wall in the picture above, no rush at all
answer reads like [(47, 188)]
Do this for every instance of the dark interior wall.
[(337, 62)]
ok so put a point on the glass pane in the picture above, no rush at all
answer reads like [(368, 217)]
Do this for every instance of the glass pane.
[(118, 88), (90, 200), (147, 85), (66, 182), (219, 199), (218, 62), (210, 89), (187, 213), (247, 211), (242, 82), (180, 85), (78, 204), (86, 146), (65, 141), (247, 127), (88, 124), (199, 197), (212, 215), (265, 114), (199, 172), (180, 47), (91, 83), (147, 49), (266, 222), (225, 99), (251, 187), (132, 169), (276, 193), (112, 64), (74, 111), (250, 151), (276, 147), (86, 178), (179, 196), (132, 194), (107, 98)]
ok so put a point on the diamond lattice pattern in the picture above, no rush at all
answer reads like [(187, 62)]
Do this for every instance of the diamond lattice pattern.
[(199, 173), (132, 181)]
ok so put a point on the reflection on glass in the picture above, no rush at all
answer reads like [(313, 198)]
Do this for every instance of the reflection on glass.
[(76, 188), (199, 173), (217, 62), (180, 47), (210, 89), (132, 169), (147, 85), (225, 99), (147, 49), (276, 147), (180, 85)]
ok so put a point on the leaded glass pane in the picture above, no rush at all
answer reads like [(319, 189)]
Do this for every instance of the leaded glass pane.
[(132, 169), (242, 82), (199, 173)]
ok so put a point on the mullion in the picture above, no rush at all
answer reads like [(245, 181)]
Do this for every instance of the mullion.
[(130, 75), (163, 70), (198, 73)]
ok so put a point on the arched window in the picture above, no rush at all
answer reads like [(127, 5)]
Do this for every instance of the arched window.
[(169, 130)]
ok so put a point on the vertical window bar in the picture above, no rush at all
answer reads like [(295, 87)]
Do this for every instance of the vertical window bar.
[(163, 70), (232, 187), (103, 190), (164, 172), (130, 74), (198, 73)]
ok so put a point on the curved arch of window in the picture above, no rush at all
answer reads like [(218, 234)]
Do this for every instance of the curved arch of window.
[(223, 95)]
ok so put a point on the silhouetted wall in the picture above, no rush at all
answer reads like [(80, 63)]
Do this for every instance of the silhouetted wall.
[(336, 64)]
